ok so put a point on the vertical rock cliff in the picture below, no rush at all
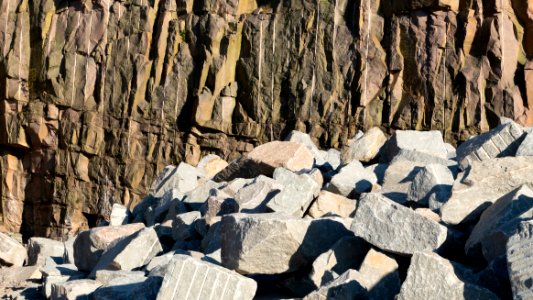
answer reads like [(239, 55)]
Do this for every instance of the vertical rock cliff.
[(98, 96)]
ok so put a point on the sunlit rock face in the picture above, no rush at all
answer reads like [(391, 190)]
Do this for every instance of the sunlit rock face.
[(98, 96)]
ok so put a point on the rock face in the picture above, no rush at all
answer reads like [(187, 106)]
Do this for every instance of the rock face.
[(392, 227), (520, 262), (98, 96)]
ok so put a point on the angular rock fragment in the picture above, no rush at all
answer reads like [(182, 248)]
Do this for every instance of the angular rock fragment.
[(120, 215), (183, 177), (499, 222), (304, 138), (296, 195), (395, 228), (433, 277), (347, 253), (190, 278), (130, 253), (74, 290), (352, 179), (198, 196), (379, 275), (12, 253), (254, 197), (89, 245), (431, 186), (263, 160), (520, 261), (328, 203), (364, 148), (210, 165), (249, 242), (53, 273), (499, 142), (486, 182), (41, 248), (410, 142), (183, 225)]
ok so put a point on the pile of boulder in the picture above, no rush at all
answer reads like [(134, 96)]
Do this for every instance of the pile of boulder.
[(400, 217)]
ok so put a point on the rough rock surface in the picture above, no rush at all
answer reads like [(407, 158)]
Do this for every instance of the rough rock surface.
[(352, 180), (250, 242), (520, 261), (189, 278), (328, 203), (502, 141), (499, 222), (431, 186), (392, 227), (99, 96), (364, 148), (90, 245), (483, 184), (433, 277), (12, 252)]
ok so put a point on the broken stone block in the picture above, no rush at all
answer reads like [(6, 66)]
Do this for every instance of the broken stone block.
[(12, 253), (104, 277), (130, 253), (347, 253), (16, 277), (128, 288), (304, 138), (332, 160), (210, 165), (346, 286), (296, 195), (352, 180), (431, 186), (499, 222), (395, 228), (41, 248), (364, 148), (183, 226), (328, 203), (520, 261), (499, 142), (89, 245), (184, 178), (433, 277), (120, 215), (190, 278), (253, 198), (74, 290), (486, 182), (263, 160), (53, 273), (249, 242), (198, 196), (379, 275), (216, 207), (413, 143)]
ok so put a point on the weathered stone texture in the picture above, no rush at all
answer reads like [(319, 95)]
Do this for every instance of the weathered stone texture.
[(97, 97)]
